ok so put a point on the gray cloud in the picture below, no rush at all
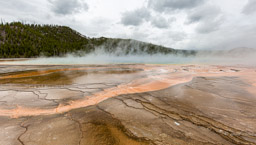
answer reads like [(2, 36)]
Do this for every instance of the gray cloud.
[(177, 36), (160, 22), (23, 6), (135, 17), (225, 38), (138, 16), (250, 7), (208, 27), (66, 7), (170, 5), (203, 14), (208, 17)]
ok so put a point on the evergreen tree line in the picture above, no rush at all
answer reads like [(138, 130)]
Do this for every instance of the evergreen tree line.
[(32, 40), (18, 40)]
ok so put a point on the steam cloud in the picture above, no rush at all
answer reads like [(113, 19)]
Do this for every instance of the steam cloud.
[(105, 58), (132, 52)]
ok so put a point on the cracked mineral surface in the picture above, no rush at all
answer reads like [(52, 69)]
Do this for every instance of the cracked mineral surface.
[(127, 104)]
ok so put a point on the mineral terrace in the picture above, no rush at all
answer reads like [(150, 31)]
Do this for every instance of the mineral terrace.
[(127, 104)]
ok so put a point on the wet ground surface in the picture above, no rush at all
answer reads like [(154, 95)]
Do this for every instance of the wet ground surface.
[(127, 104)]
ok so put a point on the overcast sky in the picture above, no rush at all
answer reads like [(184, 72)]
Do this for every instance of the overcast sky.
[(180, 24)]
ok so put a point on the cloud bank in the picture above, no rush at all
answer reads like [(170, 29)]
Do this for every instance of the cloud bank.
[(66, 7), (180, 24)]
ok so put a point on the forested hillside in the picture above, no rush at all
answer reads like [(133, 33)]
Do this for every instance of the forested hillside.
[(19, 40), (32, 40)]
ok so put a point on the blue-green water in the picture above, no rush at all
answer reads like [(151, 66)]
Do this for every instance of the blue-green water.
[(145, 59)]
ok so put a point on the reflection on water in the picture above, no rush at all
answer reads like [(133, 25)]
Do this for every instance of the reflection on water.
[(62, 76), (107, 59)]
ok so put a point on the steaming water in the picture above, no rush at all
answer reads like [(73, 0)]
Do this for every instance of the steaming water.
[(107, 59), (145, 59)]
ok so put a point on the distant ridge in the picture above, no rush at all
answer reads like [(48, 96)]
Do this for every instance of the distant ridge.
[(235, 52), (19, 40), (242, 51)]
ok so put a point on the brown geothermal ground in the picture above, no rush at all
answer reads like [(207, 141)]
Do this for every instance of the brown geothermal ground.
[(127, 104)]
